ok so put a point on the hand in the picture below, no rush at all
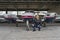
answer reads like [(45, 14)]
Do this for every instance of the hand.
[(32, 24)]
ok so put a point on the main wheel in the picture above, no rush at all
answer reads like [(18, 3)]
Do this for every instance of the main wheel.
[(44, 24)]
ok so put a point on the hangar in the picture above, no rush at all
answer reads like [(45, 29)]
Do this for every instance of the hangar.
[(17, 5)]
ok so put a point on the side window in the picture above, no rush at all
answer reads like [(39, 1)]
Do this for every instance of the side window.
[(48, 14)]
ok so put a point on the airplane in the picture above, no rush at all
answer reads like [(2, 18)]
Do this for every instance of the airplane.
[(28, 15), (11, 18)]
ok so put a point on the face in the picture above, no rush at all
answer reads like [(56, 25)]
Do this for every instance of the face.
[(37, 16)]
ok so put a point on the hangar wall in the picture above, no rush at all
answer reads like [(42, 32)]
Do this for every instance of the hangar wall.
[(53, 5)]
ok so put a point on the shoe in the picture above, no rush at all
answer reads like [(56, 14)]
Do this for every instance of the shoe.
[(39, 30), (34, 30)]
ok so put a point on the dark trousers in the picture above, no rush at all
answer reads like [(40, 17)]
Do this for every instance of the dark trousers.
[(36, 26)]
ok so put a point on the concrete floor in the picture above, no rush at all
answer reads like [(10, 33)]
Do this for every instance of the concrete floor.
[(20, 33)]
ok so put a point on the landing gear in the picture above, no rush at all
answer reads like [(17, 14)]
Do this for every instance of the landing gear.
[(27, 23), (44, 24)]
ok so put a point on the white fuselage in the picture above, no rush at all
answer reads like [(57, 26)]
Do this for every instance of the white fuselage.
[(28, 15)]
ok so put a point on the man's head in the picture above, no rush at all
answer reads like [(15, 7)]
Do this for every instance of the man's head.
[(37, 16)]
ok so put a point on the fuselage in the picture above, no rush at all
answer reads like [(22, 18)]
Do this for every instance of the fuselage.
[(28, 16)]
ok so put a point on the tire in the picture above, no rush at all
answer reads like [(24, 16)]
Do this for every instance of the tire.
[(44, 24)]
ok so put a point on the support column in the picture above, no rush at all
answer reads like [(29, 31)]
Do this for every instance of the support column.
[(17, 21)]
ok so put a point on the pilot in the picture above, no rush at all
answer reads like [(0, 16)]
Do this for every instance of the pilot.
[(36, 23)]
